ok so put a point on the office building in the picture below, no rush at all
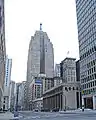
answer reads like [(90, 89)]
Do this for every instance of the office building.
[(57, 78), (40, 56), (35, 91), (12, 95), (2, 51), (57, 70), (86, 21), (68, 70), (20, 88), (6, 93)]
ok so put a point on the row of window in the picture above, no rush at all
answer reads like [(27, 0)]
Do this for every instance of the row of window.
[(71, 88), (89, 52), (91, 77), (84, 6), (88, 85), (88, 43), (83, 63), (87, 32), (92, 63), (90, 71), (90, 91), (86, 15)]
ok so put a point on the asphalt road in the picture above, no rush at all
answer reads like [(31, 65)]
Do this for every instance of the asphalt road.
[(57, 116)]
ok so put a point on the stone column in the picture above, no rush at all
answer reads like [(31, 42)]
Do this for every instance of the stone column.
[(82, 101), (55, 100), (94, 102), (60, 102)]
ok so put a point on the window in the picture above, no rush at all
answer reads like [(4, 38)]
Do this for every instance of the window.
[(66, 89), (69, 88)]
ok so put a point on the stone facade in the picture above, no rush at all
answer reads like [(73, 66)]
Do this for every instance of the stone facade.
[(65, 96), (68, 71)]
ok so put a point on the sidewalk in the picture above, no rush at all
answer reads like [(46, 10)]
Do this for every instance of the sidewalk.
[(6, 116)]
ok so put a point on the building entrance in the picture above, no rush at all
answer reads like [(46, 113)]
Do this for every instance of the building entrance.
[(88, 102)]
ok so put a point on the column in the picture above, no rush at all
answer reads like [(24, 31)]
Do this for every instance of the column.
[(82, 101), (94, 102), (60, 102), (55, 100)]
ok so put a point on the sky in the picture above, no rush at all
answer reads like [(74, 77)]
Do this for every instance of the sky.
[(22, 19)]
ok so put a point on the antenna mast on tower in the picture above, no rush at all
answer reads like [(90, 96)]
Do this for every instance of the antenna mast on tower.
[(40, 26)]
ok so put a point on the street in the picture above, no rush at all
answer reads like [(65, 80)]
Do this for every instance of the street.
[(57, 116)]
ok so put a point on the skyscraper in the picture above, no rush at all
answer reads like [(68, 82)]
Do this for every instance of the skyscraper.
[(6, 94), (40, 56), (2, 50), (86, 20)]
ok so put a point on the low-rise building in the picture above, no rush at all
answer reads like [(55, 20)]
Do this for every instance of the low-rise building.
[(37, 87), (64, 96), (38, 104)]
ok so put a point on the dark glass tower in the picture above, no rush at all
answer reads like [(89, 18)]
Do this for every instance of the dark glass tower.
[(86, 21)]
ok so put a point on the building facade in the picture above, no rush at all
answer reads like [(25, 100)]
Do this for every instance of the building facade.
[(12, 94), (40, 56), (86, 21), (78, 70), (57, 70), (63, 97), (57, 81), (6, 93), (25, 96), (35, 91), (57, 78), (2, 51), (20, 89), (37, 88), (68, 70), (38, 104)]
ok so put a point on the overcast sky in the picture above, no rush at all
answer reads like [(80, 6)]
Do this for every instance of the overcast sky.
[(22, 19)]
